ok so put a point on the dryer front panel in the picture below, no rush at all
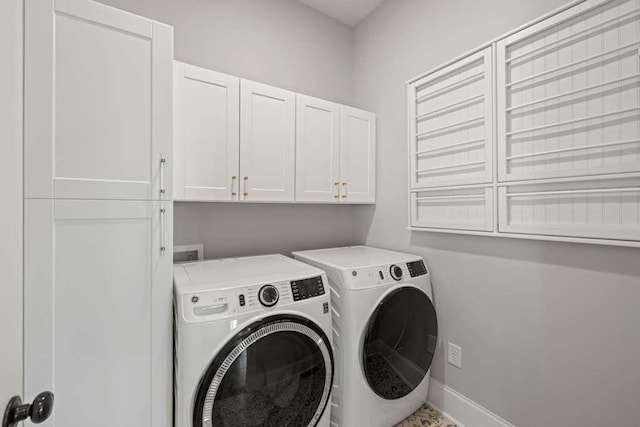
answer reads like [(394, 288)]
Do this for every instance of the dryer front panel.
[(400, 342), (277, 371)]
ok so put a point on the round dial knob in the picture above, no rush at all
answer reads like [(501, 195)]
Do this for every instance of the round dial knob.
[(268, 295), (396, 272)]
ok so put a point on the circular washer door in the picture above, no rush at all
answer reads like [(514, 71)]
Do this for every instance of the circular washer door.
[(275, 372), (400, 342)]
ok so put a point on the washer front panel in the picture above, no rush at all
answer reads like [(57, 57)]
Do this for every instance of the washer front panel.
[(278, 371)]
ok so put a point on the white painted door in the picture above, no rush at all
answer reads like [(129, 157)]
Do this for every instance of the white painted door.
[(98, 102), (11, 195), (98, 310), (207, 134), (267, 143), (317, 150), (357, 155)]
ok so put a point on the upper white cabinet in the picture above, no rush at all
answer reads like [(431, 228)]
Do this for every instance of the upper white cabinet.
[(451, 124), (357, 155), (98, 102), (206, 134), (335, 152), (267, 142), (317, 150), (238, 140), (568, 94)]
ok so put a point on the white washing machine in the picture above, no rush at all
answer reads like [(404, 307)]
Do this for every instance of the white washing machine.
[(384, 333), (252, 344)]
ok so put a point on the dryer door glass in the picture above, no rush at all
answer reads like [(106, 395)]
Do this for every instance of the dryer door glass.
[(400, 343), (276, 372)]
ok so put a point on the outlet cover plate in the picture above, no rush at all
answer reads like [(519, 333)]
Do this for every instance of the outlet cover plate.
[(454, 355)]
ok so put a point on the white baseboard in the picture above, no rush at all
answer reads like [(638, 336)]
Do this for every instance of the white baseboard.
[(460, 409)]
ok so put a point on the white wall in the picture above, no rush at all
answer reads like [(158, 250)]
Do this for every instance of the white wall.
[(550, 332), (11, 196), (278, 42)]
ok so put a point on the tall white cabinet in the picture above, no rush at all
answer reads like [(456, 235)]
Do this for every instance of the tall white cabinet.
[(98, 213)]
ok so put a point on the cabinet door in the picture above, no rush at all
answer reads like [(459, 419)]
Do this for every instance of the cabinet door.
[(97, 315), (569, 94), (98, 102), (317, 150), (453, 208), (357, 155), (597, 209), (207, 134), (267, 143), (451, 124)]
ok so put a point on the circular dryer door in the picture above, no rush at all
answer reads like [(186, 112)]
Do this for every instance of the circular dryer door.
[(275, 372), (400, 342)]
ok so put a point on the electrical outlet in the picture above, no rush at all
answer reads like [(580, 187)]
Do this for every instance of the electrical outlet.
[(454, 355)]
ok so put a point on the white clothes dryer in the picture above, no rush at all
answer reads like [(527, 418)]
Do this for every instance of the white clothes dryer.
[(384, 333), (252, 343)]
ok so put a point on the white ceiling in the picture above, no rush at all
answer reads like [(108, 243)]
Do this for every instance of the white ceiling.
[(350, 12)]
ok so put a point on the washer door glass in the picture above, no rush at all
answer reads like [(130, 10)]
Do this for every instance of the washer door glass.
[(276, 372), (400, 343)]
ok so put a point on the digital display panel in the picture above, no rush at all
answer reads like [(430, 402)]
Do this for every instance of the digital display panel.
[(417, 268), (307, 288)]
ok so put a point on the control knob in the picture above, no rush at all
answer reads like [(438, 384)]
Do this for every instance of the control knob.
[(268, 295), (396, 272)]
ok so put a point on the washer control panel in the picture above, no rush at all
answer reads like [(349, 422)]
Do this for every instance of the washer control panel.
[(307, 288), (264, 296), (222, 303)]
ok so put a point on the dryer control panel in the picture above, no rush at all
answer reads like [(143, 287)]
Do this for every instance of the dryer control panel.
[(365, 277)]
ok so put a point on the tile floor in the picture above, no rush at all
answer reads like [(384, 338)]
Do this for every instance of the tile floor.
[(426, 416)]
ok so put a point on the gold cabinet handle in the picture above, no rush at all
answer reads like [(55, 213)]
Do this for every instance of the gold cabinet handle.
[(162, 244), (346, 192), (246, 183), (163, 160), (337, 196), (233, 186)]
